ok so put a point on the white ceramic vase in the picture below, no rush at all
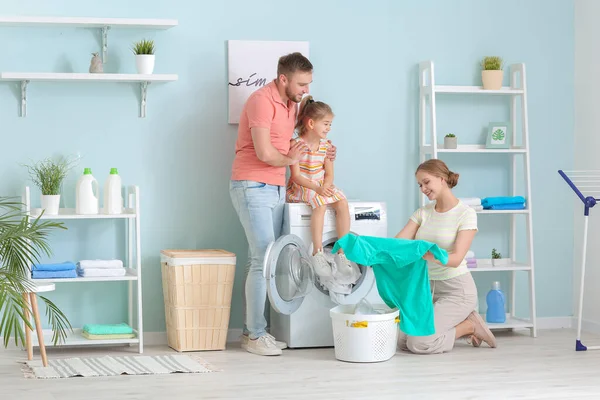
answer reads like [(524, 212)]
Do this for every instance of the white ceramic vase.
[(144, 63), (50, 203)]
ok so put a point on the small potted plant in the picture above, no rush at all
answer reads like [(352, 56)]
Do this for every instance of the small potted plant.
[(450, 141), (48, 175), (144, 56), (497, 259), (492, 74)]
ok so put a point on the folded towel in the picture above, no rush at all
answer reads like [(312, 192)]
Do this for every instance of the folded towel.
[(515, 206), (35, 274), (477, 208), (470, 254), (83, 264), (471, 201), (108, 337), (64, 266), (99, 272), (491, 201), (107, 329)]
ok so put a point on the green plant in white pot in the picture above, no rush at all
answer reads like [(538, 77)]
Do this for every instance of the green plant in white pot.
[(144, 56), (450, 141), (497, 259), (48, 175), (492, 74)]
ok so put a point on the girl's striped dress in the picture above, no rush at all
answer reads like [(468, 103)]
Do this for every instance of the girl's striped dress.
[(312, 166)]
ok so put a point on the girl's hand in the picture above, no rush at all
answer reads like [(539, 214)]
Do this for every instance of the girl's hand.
[(325, 190)]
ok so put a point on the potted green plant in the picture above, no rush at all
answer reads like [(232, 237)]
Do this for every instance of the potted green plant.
[(48, 175), (144, 56), (450, 141), (22, 241), (497, 259), (492, 74)]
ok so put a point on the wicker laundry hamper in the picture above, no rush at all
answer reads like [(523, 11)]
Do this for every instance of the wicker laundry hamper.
[(197, 289)]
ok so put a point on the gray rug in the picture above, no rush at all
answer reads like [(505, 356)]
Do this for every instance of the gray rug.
[(114, 366)]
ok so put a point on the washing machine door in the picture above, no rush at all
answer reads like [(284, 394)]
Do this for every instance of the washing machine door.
[(288, 270)]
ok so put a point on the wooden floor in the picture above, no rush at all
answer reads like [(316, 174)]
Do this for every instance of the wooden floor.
[(520, 368)]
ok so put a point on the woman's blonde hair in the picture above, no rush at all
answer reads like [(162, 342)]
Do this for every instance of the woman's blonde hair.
[(439, 169), (310, 109)]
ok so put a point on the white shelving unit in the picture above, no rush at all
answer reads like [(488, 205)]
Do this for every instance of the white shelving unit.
[(131, 214), (104, 24), (429, 148)]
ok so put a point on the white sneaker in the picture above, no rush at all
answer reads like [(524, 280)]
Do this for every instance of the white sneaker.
[(321, 265), (280, 345), (346, 272), (263, 346)]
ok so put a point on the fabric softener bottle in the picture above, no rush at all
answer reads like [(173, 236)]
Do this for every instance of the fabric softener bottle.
[(495, 305)]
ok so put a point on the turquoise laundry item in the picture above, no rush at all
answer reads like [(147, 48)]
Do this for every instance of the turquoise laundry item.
[(401, 275), (101, 329), (494, 201)]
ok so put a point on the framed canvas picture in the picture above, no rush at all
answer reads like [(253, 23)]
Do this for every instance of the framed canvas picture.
[(499, 135), (252, 65)]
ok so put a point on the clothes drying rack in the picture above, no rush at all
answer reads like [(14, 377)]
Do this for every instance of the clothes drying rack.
[(587, 181)]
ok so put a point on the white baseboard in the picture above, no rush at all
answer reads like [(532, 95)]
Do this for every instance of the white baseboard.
[(555, 323), (587, 325)]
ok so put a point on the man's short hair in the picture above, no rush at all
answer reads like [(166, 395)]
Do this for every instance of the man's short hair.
[(292, 63)]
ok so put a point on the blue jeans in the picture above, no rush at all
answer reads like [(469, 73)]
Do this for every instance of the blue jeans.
[(260, 209)]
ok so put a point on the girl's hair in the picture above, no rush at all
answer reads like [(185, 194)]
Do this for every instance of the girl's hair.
[(439, 169), (310, 109)]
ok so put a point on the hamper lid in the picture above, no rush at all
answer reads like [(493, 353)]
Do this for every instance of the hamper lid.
[(205, 256)]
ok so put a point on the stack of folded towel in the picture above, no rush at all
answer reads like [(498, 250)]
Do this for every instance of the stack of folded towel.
[(100, 268), (471, 260), (504, 203), (53, 271), (473, 202), (105, 332)]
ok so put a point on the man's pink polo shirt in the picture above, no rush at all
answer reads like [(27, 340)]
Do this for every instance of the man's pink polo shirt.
[(263, 109)]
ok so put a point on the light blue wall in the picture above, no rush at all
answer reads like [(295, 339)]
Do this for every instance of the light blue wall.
[(365, 58)]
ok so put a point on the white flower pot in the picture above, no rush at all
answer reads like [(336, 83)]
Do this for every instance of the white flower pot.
[(484, 262), (500, 261), (144, 63), (492, 79), (450, 142), (50, 203)]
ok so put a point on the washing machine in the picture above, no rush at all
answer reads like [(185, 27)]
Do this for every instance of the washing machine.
[(299, 304)]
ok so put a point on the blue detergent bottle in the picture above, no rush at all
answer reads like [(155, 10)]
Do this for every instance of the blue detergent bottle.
[(495, 305)]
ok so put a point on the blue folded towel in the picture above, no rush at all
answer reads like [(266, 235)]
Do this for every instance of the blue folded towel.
[(516, 206), (64, 266), (36, 274), (493, 201)]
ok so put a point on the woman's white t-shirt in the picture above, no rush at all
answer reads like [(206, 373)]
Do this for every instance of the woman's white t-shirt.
[(441, 229)]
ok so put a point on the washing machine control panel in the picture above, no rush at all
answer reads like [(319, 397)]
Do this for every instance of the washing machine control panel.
[(367, 213)]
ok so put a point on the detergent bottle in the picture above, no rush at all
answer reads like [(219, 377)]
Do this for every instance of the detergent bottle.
[(86, 194), (113, 201), (495, 305)]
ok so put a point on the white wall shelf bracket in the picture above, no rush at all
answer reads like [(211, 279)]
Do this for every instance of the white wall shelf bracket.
[(144, 92), (105, 30), (24, 98)]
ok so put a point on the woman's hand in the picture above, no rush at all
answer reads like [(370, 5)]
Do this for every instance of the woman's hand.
[(429, 257)]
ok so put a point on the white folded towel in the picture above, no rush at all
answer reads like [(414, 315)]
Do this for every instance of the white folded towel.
[(85, 264), (471, 201), (99, 272), (477, 208)]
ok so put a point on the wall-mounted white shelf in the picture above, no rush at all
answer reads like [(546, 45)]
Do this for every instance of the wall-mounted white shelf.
[(143, 80), (104, 24), (88, 22), (130, 275)]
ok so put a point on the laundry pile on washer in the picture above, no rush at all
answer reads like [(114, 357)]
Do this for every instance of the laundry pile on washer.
[(342, 278)]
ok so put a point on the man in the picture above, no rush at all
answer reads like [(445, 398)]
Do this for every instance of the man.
[(257, 184)]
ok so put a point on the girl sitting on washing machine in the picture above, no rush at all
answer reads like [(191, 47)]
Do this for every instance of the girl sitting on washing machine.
[(311, 182)]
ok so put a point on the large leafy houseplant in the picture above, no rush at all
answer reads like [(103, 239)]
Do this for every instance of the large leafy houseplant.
[(22, 241)]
